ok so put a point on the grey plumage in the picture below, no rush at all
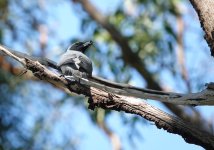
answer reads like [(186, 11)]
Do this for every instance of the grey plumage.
[(74, 61)]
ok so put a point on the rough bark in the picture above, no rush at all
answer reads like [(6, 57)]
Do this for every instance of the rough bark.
[(205, 11), (106, 100), (131, 58)]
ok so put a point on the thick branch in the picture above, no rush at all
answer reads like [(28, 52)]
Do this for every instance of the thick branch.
[(106, 100), (160, 118), (131, 58), (201, 98), (205, 11)]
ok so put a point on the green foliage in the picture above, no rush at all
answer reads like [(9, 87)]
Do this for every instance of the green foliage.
[(150, 29)]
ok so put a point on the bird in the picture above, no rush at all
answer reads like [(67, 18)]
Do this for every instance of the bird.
[(74, 62)]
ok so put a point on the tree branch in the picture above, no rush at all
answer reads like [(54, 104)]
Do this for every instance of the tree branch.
[(106, 100), (205, 11), (204, 97), (114, 138), (131, 58), (180, 52)]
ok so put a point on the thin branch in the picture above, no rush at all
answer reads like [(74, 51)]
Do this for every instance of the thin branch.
[(103, 99), (131, 58), (114, 138), (180, 52), (7, 52)]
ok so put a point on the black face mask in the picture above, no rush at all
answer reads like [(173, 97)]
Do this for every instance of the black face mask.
[(81, 46)]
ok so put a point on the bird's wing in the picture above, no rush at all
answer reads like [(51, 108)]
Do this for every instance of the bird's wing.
[(66, 59), (81, 61), (85, 64)]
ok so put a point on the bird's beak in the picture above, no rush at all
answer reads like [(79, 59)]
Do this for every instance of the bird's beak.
[(87, 44)]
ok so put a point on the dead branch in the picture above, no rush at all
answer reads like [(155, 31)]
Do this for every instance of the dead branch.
[(204, 97), (107, 100), (131, 58)]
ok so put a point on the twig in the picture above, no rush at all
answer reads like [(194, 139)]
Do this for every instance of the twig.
[(7, 52)]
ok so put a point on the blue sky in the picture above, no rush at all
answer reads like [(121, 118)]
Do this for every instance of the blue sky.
[(94, 138), (90, 136)]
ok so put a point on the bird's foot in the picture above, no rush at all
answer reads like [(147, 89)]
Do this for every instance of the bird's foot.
[(61, 75)]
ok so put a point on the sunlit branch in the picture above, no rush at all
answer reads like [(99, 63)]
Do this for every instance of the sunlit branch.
[(106, 100), (132, 59)]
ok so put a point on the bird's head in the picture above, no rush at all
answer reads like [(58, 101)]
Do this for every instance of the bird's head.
[(80, 46)]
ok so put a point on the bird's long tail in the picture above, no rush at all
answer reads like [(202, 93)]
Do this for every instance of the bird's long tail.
[(52, 64), (125, 86)]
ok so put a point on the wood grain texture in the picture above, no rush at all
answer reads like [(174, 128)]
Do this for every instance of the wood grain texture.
[(107, 100), (205, 11)]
